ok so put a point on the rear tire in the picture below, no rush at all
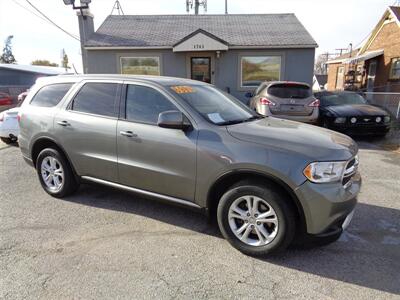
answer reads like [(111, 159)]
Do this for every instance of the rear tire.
[(270, 220), (55, 173)]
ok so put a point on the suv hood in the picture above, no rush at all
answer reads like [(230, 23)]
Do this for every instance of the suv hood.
[(356, 110), (312, 142)]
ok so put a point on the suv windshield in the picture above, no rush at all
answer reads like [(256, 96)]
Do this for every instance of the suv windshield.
[(214, 105), (341, 99), (289, 90)]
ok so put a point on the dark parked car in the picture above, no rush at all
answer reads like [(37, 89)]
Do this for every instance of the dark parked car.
[(350, 113)]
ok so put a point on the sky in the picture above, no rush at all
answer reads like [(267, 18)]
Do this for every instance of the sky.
[(332, 23)]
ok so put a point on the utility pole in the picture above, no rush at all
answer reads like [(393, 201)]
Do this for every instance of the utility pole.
[(226, 7), (117, 6), (196, 4), (341, 50)]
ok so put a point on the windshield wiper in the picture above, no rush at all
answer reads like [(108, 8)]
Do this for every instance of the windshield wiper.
[(231, 122)]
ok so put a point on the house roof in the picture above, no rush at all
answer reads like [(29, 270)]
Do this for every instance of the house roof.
[(322, 79), (164, 31), (35, 69), (395, 11), (391, 11)]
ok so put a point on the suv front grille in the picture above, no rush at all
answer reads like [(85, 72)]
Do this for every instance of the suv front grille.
[(350, 170)]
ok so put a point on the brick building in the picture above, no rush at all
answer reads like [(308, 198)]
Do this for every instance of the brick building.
[(376, 65)]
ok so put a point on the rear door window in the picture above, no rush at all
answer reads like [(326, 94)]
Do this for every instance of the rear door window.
[(50, 95), (97, 98), (287, 90)]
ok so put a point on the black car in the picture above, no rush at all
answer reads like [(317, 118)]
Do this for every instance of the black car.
[(350, 113)]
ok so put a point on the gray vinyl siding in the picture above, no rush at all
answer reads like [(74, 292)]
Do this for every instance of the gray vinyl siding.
[(296, 65)]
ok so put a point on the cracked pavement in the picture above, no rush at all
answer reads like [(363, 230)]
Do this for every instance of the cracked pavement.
[(104, 243)]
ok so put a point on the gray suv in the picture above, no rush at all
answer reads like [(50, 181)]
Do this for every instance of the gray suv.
[(268, 181), (287, 100)]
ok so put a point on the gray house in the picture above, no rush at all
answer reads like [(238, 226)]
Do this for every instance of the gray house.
[(234, 52)]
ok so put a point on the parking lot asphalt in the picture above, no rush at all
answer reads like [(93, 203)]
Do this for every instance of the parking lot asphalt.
[(103, 243)]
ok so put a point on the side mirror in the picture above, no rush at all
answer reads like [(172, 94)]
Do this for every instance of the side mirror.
[(173, 119), (249, 95)]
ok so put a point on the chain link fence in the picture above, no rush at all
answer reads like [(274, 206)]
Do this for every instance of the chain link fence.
[(388, 101)]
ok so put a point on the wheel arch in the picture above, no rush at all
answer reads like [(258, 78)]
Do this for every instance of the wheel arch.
[(47, 142), (227, 180)]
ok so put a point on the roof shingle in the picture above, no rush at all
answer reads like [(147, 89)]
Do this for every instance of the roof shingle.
[(264, 30)]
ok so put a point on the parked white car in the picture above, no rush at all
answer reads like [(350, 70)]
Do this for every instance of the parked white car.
[(9, 127)]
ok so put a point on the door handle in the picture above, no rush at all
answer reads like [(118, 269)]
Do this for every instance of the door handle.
[(128, 133), (63, 123)]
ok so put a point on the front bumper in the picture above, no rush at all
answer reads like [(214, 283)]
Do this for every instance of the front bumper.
[(359, 130), (326, 206)]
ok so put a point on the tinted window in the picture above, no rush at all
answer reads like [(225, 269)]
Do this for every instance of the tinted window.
[(144, 104), (97, 98), (286, 90), (50, 95), (333, 99)]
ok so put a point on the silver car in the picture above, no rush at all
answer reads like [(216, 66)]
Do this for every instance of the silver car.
[(268, 182), (286, 100)]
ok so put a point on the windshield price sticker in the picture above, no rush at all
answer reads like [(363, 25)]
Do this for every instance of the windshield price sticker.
[(182, 89)]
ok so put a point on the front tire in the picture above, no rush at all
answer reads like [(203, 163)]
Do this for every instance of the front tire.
[(55, 173), (256, 219)]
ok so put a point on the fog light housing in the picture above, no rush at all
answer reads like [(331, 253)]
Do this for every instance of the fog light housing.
[(340, 120)]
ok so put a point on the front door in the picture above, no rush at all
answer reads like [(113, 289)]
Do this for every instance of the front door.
[(371, 76), (151, 158), (200, 68)]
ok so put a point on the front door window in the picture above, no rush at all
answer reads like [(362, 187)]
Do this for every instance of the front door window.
[(201, 69)]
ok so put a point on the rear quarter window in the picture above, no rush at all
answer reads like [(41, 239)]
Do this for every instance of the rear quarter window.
[(297, 91), (50, 95)]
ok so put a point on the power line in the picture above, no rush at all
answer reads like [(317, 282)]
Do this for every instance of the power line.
[(51, 21), (28, 10)]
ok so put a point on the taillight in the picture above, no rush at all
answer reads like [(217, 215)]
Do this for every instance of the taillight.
[(265, 101), (5, 101), (315, 103)]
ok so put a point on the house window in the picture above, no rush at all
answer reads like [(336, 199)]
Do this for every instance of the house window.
[(140, 65), (395, 68), (257, 69)]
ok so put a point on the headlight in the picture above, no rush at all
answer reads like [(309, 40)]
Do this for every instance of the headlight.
[(340, 120), (353, 120), (320, 172), (378, 119), (386, 119)]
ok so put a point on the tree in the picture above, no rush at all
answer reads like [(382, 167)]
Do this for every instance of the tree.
[(43, 62), (320, 64), (7, 57)]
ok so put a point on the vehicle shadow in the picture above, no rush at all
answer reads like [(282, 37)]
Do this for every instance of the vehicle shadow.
[(100, 196), (367, 254)]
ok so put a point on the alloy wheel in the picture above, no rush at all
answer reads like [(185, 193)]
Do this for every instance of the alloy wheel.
[(253, 220), (52, 173)]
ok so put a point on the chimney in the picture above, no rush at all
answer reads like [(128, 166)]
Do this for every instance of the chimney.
[(86, 29)]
